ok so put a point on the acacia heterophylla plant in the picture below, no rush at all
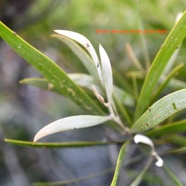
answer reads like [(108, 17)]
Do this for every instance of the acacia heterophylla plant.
[(104, 73), (102, 85)]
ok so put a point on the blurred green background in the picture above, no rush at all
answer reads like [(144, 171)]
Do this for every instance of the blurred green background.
[(25, 109)]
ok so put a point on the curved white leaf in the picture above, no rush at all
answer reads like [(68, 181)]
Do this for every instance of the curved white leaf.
[(159, 162), (106, 72), (73, 122), (139, 138), (83, 56), (82, 40)]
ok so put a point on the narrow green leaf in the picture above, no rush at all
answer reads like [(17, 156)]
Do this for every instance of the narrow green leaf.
[(173, 177), (171, 61), (139, 178), (60, 144), (176, 84), (51, 71), (133, 57), (177, 151), (175, 54), (176, 139), (167, 79), (119, 164), (122, 111), (75, 180), (40, 83), (178, 126), (173, 41), (160, 111), (123, 83), (82, 80), (69, 123)]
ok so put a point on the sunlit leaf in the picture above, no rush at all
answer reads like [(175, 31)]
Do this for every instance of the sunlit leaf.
[(173, 41), (160, 111), (69, 123)]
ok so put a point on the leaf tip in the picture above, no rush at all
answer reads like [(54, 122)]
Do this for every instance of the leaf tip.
[(58, 31), (178, 17), (36, 138), (159, 162), (40, 134)]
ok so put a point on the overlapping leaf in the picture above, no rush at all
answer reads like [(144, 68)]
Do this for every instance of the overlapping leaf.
[(82, 40), (106, 72), (160, 111), (177, 126), (69, 123), (172, 42), (86, 60), (50, 70), (60, 144), (84, 81)]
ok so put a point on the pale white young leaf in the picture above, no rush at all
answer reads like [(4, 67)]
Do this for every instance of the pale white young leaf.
[(82, 40), (80, 52), (139, 138), (106, 72), (69, 123), (159, 162)]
